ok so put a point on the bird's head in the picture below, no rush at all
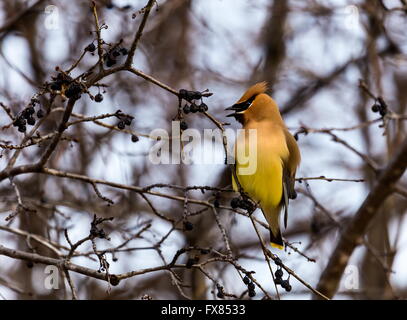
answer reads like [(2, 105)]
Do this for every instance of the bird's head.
[(256, 105)]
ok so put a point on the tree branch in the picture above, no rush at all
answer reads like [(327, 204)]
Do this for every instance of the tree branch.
[(352, 234)]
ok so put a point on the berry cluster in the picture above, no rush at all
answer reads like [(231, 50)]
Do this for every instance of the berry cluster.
[(285, 284), (250, 286), (244, 204), (124, 120), (91, 47), (95, 231), (183, 125), (190, 95), (192, 106), (59, 81), (64, 83), (113, 55), (27, 116), (380, 106)]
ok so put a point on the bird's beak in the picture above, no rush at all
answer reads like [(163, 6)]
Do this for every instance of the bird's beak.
[(237, 108)]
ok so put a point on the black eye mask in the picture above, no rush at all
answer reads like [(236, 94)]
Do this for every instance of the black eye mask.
[(240, 107)]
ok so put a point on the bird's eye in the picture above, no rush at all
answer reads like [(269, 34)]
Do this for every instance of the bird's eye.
[(249, 102), (241, 107)]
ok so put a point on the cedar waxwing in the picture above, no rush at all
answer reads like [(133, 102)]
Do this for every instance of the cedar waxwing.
[(277, 157)]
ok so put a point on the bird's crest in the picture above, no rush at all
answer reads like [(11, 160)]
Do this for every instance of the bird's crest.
[(254, 90)]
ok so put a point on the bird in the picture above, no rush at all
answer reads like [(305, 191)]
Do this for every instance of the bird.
[(276, 157)]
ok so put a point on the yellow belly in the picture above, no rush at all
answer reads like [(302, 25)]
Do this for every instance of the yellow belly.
[(265, 184)]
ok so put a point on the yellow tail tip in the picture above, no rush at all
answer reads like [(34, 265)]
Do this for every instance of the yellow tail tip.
[(278, 246)]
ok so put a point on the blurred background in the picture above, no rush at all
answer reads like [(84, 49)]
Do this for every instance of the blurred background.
[(313, 54)]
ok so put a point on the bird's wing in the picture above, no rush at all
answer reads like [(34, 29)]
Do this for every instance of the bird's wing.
[(285, 198), (290, 164), (289, 169)]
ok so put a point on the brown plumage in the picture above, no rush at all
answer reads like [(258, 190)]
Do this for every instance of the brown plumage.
[(277, 156)]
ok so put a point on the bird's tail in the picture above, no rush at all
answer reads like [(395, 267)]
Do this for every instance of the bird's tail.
[(276, 241), (272, 216)]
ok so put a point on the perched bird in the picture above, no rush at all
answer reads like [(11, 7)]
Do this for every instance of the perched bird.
[(275, 159)]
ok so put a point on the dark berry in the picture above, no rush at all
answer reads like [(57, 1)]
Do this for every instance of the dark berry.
[(278, 261), (288, 288), (220, 293), (195, 95), (245, 204), (216, 203), (57, 85), (40, 113), (186, 109), (194, 108), (110, 62), (183, 125), (124, 51), (114, 280), (121, 125), (252, 293), (190, 263), (278, 281), (382, 112), (30, 110), (235, 203), (19, 122), (128, 121), (99, 97), (251, 286), (188, 226), (25, 114), (134, 138), (246, 280), (279, 273), (91, 47), (29, 264), (203, 107), (31, 121), (376, 107), (74, 91), (183, 93), (285, 284), (22, 128)]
